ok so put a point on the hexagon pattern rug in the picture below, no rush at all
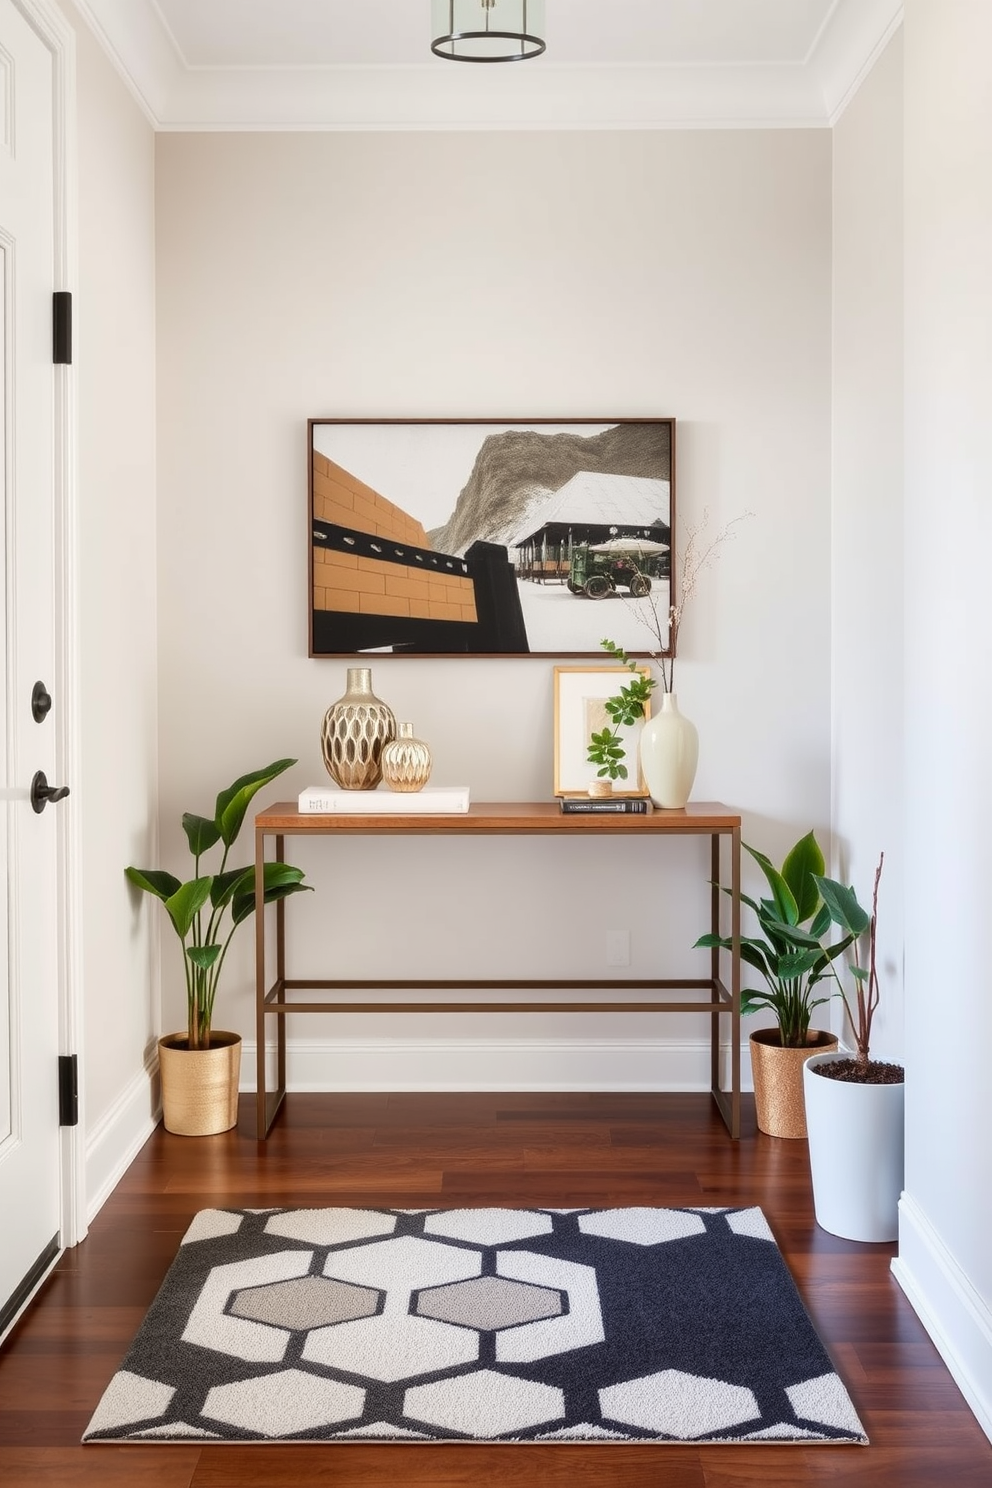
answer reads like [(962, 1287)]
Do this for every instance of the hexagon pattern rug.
[(549, 1325)]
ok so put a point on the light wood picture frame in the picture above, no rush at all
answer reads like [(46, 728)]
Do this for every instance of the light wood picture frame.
[(580, 693)]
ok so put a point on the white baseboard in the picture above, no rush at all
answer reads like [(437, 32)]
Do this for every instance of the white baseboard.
[(486, 1064), (957, 1318), (119, 1136)]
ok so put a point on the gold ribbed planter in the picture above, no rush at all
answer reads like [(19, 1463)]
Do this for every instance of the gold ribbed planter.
[(199, 1086), (778, 1080)]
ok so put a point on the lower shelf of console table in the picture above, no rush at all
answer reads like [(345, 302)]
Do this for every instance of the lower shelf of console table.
[(722, 998)]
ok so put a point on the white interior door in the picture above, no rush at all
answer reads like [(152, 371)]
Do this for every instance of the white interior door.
[(30, 930)]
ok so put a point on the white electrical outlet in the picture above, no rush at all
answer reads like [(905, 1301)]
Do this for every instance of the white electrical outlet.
[(618, 947)]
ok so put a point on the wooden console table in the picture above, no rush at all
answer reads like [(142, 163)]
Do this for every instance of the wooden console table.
[(526, 819)]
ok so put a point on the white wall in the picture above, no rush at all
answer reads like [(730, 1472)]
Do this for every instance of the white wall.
[(867, 519), (114, 368), (945, 1260), (683, 274)]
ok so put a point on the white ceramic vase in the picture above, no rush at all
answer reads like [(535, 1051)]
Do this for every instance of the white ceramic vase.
[(856, 1153), (669, 751)]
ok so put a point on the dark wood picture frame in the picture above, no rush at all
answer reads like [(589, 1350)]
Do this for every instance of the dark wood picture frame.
[(499, 537)]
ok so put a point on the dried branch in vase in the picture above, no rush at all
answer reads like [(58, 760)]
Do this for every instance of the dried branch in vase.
[(698, 554)]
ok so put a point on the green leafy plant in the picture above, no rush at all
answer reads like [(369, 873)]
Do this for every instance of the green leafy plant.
[(624, 709), (198, 908), (789, 953), (842, 905)]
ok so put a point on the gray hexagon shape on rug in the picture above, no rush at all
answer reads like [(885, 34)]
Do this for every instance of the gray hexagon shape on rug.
[(489, 1303), (306, 1302)]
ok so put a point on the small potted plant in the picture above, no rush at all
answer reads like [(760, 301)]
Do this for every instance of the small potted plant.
[(606, 749), (792, 962), (199, 1068), (855, 1106)]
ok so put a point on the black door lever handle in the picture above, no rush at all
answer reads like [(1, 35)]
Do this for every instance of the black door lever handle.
[(42, 792)]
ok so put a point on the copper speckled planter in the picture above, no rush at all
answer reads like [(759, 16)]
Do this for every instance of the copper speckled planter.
[(778, 1080)]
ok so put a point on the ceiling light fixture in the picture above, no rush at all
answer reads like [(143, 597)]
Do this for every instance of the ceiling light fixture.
[(487, 30)]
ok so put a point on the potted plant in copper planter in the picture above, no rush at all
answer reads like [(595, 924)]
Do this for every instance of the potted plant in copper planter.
[(855, 1105), (200, 1068), (792, 962)]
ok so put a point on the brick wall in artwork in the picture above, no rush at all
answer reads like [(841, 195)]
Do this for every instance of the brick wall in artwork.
[(361, 585)]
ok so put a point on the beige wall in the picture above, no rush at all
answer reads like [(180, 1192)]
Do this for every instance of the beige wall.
[(114, 370), (867, 516), (683, 274)]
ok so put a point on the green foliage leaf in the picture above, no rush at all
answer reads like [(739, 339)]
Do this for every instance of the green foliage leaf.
[(233, 802), (162, 885), (753, 1002), (783, 900), (820, 922), (843, 907), (201, 833), (203, 956), (186, 902), (798, 964), (799, 870), (225, 885), (240, 881), (244, 904)]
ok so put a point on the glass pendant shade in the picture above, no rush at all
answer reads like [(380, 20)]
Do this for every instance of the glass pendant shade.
[(487, 30)]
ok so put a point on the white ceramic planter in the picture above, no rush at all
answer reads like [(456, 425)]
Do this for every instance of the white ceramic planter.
[(856, 1153)]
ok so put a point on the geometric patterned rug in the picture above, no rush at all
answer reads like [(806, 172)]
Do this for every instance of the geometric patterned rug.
[(431, 1325)]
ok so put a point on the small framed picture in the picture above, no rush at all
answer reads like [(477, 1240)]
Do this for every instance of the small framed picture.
[(581, 694)]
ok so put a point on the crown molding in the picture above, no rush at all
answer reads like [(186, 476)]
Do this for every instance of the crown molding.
[(855, 36), (437, 96)]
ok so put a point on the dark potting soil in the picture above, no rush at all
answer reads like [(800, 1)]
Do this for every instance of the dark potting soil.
[(875, 1072)]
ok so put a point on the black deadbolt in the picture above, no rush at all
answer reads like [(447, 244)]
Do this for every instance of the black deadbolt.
[(42, 792), (41, 702)]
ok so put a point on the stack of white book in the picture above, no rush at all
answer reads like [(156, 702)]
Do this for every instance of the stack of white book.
[(439, 800)]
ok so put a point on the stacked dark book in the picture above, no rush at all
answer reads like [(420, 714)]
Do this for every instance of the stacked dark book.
[(615, 805)]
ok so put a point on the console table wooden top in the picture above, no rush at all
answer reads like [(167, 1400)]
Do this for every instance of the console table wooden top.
[(502, 816)]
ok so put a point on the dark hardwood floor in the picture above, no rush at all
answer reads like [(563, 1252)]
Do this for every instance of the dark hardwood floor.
[(416, 1150)]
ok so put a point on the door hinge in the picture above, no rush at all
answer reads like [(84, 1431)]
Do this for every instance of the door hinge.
[(62, 327), (68, 1090)]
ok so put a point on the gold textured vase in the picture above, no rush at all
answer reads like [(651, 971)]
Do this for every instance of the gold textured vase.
[(199, 1086), (778, 1079), (355, 730), (406, 761)]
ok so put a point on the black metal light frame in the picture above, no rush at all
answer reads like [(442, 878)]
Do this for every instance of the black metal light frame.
[(523, 38)]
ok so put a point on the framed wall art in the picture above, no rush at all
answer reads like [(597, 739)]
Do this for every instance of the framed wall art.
[(580, 697), (452, 537)]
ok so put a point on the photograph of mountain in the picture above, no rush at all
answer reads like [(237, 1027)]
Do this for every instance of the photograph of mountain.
[(489, 537)]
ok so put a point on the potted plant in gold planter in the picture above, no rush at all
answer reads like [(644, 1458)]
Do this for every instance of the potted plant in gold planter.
[(199, 1068), (792, 961), (855, 1105)]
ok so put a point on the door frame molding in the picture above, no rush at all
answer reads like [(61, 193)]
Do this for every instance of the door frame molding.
[(57, 34)]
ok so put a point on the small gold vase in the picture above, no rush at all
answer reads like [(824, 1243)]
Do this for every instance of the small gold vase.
[(199, 1086), (355, 730), (406, 761), (779, 1102)]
